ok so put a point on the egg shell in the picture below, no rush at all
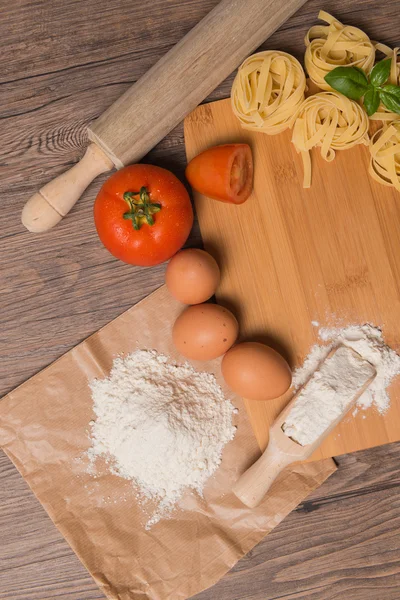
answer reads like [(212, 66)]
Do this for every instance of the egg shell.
[(256, 371), (192, 276), (204, 331)]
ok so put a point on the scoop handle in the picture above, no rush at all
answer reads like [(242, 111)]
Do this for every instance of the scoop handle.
[(53, 201), (252, 486)]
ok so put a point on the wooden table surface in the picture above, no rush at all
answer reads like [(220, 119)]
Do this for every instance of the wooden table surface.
[(62, 63)]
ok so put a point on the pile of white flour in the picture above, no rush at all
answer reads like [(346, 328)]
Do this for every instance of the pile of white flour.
[(163, 426), (367, 341)]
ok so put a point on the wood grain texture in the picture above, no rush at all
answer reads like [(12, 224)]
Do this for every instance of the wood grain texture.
[(341, 544), (293, 255), (54, 200), (63, 64), (155, 104), (186, 75)]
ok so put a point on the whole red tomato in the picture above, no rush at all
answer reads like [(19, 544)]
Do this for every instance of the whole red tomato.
[(143, 214)]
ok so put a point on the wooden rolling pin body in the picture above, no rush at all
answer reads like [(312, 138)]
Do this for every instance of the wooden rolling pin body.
[(158, 101), (186, 75)]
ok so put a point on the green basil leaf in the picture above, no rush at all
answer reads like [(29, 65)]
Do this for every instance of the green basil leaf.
[(380, 73), (349, 81), (393, 90), (371, 101), (362, 73), (390, 96)]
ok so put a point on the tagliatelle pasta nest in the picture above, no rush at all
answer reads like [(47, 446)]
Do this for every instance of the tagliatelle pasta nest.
[(268, 95), (330, 121), (385, 155), (333, 45), (268, 89)]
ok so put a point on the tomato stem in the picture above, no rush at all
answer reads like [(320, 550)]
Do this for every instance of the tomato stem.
[(140, 209)]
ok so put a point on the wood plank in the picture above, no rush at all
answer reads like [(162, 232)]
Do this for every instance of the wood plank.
[(63, 35), (343, 542), (208, 54), (63, 63), (291, 256)]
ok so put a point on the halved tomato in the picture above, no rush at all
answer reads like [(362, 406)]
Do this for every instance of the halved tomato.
[(224, 173)]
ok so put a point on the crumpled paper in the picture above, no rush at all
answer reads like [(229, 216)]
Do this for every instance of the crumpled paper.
[(44, 429)]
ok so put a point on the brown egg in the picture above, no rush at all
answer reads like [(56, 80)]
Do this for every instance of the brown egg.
[(192, 276), (256, 372), (204, 331)]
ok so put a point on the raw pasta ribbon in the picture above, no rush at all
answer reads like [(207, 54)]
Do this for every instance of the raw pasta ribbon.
[(385, 155), (330, 121), (268, 89), (333, 45)]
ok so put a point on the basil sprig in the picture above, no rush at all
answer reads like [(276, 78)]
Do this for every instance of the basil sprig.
[(353, 83)]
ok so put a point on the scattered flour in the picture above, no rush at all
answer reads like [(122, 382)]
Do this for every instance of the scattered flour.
[(163, 426), (368, 341), (327, 395)]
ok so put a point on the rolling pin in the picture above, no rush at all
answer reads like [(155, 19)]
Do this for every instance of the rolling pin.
[(283, 450), (159, 100)]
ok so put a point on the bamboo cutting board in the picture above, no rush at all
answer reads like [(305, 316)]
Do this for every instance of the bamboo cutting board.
[(291, 256)]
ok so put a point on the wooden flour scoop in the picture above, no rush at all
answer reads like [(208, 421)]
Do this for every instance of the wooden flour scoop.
[(156, 103), (283, 450)]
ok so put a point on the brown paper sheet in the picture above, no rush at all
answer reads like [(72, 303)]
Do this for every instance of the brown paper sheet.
[(44, 431)]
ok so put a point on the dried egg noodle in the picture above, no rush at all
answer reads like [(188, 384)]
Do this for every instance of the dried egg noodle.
[(331, 121), (333, 45), (383, 113), (385, 155), (268, 89)]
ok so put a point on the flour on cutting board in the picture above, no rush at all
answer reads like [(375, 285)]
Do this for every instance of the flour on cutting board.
[(368, 341), (161, 425)]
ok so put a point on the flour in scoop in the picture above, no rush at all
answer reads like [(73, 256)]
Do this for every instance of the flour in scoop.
[(162, 426), (327, 395), (368, 341)]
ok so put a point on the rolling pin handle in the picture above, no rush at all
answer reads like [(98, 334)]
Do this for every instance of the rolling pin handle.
[(53, 201)]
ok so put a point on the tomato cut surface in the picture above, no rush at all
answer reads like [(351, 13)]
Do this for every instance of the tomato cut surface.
[(224, 173)]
